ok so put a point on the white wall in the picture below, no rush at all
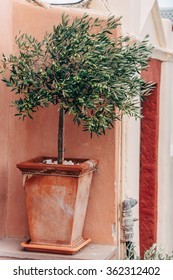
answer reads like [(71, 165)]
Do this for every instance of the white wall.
[(131, 167), (165, 190), (165, 178)]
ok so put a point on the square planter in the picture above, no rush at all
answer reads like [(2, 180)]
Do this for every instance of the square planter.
[(56, 203)]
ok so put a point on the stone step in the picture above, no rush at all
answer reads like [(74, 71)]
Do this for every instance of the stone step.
[(10, 248)]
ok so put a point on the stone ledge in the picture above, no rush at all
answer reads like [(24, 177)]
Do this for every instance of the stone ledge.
[(10, 249)]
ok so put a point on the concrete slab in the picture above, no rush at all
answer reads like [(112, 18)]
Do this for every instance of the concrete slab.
[(10, 248)]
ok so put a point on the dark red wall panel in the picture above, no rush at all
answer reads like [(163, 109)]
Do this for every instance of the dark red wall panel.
[(149, 160)]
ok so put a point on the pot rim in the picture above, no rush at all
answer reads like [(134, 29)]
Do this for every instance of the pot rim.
[(36, 166)]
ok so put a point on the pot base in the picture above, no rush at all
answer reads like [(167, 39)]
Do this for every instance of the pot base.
[(66, 250)]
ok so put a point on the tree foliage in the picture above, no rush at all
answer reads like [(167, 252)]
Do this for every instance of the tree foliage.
[(84, 68)]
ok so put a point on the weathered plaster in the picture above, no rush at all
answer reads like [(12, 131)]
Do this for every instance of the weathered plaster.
[(148, 208), (39, 136), (5, 45)]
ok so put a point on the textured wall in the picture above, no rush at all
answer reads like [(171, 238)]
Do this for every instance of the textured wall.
[(39, 137), (5, 45), (149, 161)]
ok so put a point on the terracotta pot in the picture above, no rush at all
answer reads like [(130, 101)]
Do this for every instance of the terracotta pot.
[(56, 202)]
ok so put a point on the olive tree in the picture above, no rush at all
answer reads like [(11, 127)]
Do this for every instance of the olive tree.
[(81, 68)]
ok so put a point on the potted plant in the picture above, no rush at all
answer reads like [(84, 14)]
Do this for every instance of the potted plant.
[(86, 71)]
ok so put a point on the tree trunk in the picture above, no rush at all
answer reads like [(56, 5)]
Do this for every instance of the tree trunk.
[(61, 137)]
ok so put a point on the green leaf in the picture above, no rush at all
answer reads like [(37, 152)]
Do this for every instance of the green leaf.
[(87, 71)]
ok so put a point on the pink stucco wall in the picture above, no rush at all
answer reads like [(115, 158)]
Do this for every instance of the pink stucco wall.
[(5, 45), (24, 140)]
